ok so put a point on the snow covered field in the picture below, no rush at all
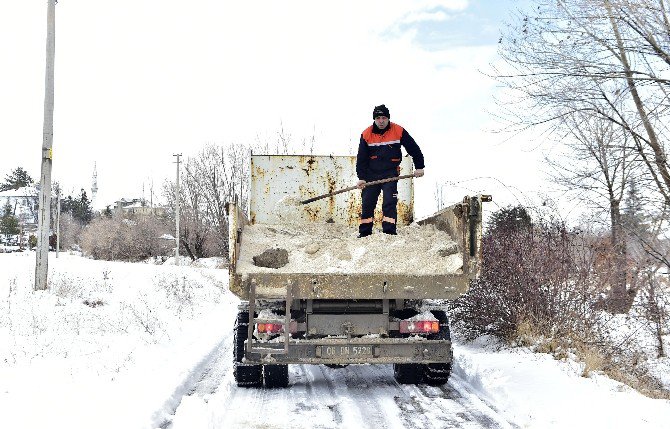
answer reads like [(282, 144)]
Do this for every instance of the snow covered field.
[(119, 345)]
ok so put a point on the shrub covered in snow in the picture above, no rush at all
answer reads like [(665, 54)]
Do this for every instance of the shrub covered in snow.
[(126, 240), (547, 286)]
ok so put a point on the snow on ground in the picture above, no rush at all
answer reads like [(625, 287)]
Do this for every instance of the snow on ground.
[(109, 344), (536, 391), (120, 345), (634, 326)]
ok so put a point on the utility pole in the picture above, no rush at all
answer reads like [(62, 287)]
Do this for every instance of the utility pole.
[(178, 155), (57, 220), (44, 215)]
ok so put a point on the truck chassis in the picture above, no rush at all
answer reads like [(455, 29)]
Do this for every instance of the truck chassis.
[(339, 319)]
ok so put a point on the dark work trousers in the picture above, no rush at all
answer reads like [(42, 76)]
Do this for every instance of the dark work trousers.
[(369, 196)]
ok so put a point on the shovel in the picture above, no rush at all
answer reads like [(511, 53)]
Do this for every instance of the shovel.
[(351, 188)]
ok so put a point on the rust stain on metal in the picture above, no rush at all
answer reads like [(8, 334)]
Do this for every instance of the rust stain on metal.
[(258, 172), (405, 213), (312, 211), (308, 176), (353, 211), (308, 163), (331, 185)]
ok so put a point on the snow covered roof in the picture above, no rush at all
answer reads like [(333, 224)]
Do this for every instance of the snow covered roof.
[(26, 191), (133, 206)]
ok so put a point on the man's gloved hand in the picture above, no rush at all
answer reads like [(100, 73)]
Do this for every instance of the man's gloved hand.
[(360, 184), (418, 172)]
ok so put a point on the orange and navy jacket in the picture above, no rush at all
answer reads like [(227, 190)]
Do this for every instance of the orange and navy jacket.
[(379, 153)]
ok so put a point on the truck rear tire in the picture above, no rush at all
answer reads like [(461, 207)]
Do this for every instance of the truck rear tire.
[(436, 374), (408, 373), (245, 375), (433, 374), (248, 375), (276, 376)]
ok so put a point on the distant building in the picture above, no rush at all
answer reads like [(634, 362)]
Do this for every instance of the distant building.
[(136, 207), (24, 204)]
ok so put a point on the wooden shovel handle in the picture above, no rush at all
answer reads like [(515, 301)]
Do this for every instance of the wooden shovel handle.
[(351, 188)]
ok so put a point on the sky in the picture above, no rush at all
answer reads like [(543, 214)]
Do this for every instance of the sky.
[(137, 81)]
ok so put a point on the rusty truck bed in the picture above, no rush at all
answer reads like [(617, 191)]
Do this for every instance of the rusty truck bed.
[(462, 222)]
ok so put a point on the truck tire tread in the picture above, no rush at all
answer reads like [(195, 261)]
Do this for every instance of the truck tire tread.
[(248, 375), (436, 374), (408, 373), (276, 375), (245, 375)]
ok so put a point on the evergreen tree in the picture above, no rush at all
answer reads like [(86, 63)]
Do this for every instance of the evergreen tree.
[(509, 219), (634, 217), (18, 178), (9, 224), (80, 208)]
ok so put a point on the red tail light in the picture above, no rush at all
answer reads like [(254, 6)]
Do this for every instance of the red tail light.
[(419, 326), (270, 328)]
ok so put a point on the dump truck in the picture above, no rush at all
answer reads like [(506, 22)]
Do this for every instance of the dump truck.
[(312, 292)]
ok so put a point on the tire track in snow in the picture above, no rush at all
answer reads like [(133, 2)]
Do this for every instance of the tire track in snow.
[(379, 379), (309, 398), (411, 410), (245, 405), (312, 393), (355, 396), (211, 378), (163, 416), (356, 403)]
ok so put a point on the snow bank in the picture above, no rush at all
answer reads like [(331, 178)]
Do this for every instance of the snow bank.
[(118, 345), (534, 390), (110, 344)]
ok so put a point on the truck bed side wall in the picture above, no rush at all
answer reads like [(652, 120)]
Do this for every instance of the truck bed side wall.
[(456, 220)]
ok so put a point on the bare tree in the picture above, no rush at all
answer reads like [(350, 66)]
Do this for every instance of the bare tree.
[(284, 143), (70, 231), (535, 272), (596, 73), (655, 307), (605, 58), (214, 177), (596, 167)]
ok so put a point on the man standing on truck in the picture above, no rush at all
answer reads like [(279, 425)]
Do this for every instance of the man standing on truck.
[(379, 157)]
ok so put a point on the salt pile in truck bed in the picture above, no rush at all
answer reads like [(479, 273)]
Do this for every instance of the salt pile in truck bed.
[(432, 258), (333, 248)]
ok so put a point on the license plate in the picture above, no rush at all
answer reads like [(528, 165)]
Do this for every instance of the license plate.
[(345, 351)]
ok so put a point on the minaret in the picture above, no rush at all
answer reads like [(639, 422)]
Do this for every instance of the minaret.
[(94, 186)]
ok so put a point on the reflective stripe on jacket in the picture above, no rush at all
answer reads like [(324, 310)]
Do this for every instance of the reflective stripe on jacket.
[(379, 152)]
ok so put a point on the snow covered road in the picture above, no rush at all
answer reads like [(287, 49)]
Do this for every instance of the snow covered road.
[(489, 388), (157, 352), (357, 396)]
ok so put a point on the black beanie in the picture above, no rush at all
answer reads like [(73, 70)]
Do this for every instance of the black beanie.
[(381, 111)]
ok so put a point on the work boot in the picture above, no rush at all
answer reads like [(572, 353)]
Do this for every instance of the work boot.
[(364, 230), (389, 228)]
